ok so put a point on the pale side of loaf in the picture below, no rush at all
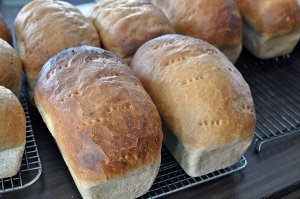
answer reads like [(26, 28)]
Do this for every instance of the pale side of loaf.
[(12, 133), (10, 68), (4, 31), (217, 22), (271, 28), (202, 98), (105, 124), (45, 27), (125, 25)]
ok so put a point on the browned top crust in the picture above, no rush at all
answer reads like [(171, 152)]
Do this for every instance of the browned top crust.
[(217, 22), (12, 121), (10, 68), (272, 17), (125, 25), (4, 31), (103, 120), (201, 96), (45, 27)]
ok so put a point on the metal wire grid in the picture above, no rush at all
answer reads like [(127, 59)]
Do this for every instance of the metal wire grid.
[(275, 86), (172, 178), (31, 167)]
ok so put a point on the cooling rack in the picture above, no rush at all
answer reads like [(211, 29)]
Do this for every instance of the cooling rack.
[(31, 167), (172, 178), (275, 86)]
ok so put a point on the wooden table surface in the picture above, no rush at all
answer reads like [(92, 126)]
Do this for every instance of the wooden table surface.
[(273, 173)]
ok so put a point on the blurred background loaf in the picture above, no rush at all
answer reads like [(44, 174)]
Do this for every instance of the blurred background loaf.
[(4, 30), (10, 68), (124, 25), (271, 28), (217, 22), (43, 28)]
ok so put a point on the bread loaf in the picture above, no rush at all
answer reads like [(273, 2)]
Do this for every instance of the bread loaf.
[(12, 133), (125, 25), (44, 28), (4, 31), (10, 68), (105, 124), (202, 98), (271, 28), (217, 22)]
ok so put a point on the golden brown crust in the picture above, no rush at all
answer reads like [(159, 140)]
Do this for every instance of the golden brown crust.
[(104, 122), (125, 25), (10, 68), (12, 121), (217, 22), (272, 17), (4, 31), (45, 27), (200, 95)]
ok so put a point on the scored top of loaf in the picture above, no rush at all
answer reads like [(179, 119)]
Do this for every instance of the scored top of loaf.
[(125, 25), (4, 30), (217, 22), (45, 27), (12, 121), (200, 95), (272, 17), (10, 68), (103, 120)]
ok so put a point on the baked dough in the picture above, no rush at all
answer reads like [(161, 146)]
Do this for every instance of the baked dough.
[(124, 25), (202, 98), (10, 68), (217, 22), (45, 27), (105, 124), (12, 133), (271, 28)]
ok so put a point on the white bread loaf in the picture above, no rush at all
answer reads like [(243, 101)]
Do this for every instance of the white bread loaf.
[(217, 22), (201, 97), (271, 28), (12, 133), (44, 28), (105, 124), (124, 25)]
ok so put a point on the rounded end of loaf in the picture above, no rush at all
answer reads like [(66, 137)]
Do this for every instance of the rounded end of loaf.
[(12, 122)]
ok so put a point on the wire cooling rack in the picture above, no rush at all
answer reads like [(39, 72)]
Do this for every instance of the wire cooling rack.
[(275, 86), (172, 178), (31, 167)]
